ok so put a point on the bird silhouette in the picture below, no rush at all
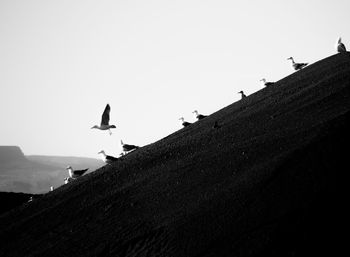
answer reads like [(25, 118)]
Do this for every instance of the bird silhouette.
[(184, 123), (242, 94), (127, 148), (297, 66), (75, 173), (105, 121), (107, 158), (340, 46), (198, 116), (265, 83)]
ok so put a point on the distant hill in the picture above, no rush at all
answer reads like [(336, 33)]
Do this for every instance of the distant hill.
[(64, 161), (12, 156), (271, 180), (36, 174)]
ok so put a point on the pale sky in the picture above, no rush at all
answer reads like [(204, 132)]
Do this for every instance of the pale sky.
[(153, 61)]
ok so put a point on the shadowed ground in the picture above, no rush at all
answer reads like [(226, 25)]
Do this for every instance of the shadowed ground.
[(269, 182)]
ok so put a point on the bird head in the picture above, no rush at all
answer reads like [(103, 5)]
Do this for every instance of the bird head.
[(182, 119), (112, 126), (290, 58), (263, 80), (95, 127), (68, 167), (339, 40), (103, 152), (121, 142), (240, 92)]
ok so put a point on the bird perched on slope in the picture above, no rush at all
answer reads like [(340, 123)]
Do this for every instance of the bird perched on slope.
[(340, 46), (127, 148), (265, 83), (242, 94), (75, 173), (184, 123), (107, 158), (295, 65), (198, 116), (105, 121)]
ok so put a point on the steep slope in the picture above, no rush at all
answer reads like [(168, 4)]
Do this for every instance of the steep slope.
[(268, 182)]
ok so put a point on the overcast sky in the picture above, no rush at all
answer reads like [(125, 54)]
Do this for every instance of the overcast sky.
[(153, 61)]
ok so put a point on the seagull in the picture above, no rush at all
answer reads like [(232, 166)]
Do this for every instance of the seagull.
[(198, 116), (297, 66), (127, 148), (75, 173), (105, 121), (266, 84), (242, 93), (340, 46), (107, 158), (185, 123)]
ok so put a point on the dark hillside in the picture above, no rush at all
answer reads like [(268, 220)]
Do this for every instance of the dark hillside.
[(268, 182), (12, 200)]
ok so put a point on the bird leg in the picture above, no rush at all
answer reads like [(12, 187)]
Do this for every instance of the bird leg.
[(110, 132)]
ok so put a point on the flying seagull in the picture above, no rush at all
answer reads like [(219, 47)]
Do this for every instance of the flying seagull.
[(107, 158), (265, 83), (297, 66), (340, 46), (127, 148), (184, 123), (75, 173), (105, 121), (198, 116), (242, 93)]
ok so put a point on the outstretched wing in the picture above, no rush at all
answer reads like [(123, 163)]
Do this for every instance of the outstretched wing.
[(105, 115)]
